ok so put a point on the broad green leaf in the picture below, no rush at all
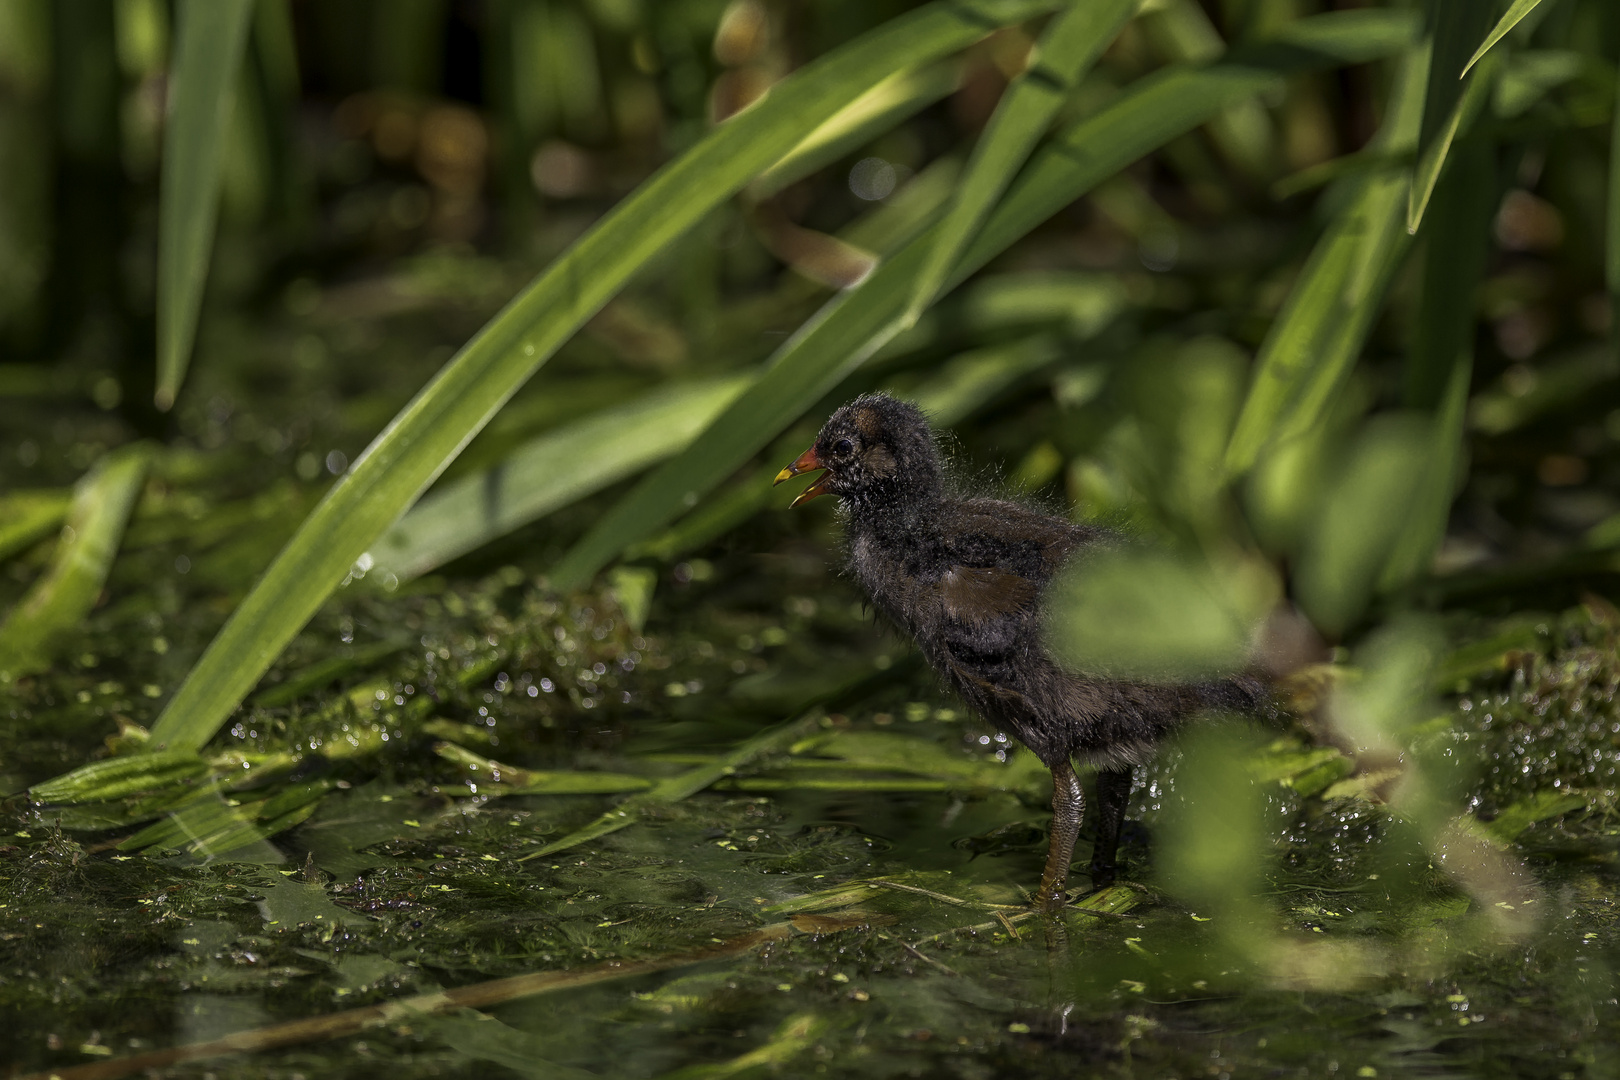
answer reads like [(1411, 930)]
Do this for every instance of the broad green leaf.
[(212, 34), (1363, 518), (1507, 22), (59, 601), (1151, 615), (1068, 48), (1215, 833), (545, 473), (856, 324), (1328, 314), (428, 433)]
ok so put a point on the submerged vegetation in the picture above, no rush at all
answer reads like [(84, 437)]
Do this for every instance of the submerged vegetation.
[(398, 628)]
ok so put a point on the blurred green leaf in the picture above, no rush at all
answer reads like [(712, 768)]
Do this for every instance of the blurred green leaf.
[(1212, 854), (1529, 75), (856, 324), (969, 381), (1527, 395), (212, 35), (1449, 106), (1151, 615), (1242, 132), (28, 516), (548, 472), (59, 601), (1508, 21), (1069, 46), (1362, 519), (438, 422), (1611, 246)]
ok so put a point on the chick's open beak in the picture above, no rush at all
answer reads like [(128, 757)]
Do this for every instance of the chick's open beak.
[(805, 462)]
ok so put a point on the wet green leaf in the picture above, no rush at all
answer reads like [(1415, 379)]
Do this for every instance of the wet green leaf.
[(59, 601), (29, 516), (680, 787), (494, 778), (114, 778)]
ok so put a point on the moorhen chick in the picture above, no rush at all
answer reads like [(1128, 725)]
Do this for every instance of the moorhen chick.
[(966, 577)]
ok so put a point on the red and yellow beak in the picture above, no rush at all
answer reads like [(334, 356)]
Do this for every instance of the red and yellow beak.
[(806, 462)]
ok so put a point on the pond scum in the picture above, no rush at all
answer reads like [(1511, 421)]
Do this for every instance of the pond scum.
[(845, 888), (372, 705)]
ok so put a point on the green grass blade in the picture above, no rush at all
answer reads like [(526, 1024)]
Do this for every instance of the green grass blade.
[(688, 783), (1507, 22), (1440, 362), (428, 433), (545, 473), (212, 35), (1432, 161), (1449, 106), (58, 602), (1068, 48), (857, 323), (1330, 310)]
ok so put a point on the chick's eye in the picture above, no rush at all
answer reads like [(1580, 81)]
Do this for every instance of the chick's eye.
[(842, 447)]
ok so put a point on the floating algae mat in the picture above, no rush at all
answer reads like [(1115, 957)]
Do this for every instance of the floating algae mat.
[(492, 829)]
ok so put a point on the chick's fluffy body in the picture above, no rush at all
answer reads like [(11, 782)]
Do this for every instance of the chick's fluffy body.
[(967, 577)]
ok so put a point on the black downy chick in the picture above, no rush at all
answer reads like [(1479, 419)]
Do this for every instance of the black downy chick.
[(966, 577)]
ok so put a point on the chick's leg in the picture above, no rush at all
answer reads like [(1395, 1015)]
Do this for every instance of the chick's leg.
[(1068, 807), (1113, 792)]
